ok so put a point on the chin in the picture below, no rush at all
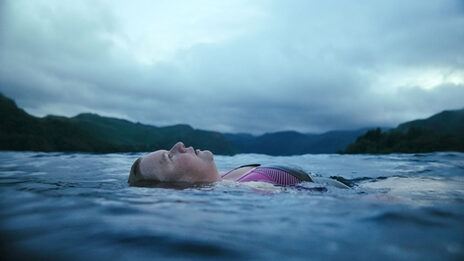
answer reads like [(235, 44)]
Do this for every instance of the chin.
[(210, 178), (207, 155)]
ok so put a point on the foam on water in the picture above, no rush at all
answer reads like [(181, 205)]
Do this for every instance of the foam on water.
[(76, 206)]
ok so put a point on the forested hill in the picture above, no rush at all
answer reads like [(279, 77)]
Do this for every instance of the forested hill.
[(141, 137), (93, 133), (447, 122), (441, 132)]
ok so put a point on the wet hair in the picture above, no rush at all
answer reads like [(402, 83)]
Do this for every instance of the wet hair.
[(136, 179), (135, 176)]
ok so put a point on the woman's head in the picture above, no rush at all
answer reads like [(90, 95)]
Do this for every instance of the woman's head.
[(179, 164)]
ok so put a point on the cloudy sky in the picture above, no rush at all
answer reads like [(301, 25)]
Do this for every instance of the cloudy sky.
[(235, 66)]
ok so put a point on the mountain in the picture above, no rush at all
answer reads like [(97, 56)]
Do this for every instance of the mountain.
[(294, 143), (441, 132), (21, 131), (94, 133), (143, 137), (446, 122)]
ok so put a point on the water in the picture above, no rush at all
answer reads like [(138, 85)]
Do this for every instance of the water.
[(61, 206)]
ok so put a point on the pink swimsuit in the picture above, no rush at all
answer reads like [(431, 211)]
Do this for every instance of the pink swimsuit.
[(277, 175)]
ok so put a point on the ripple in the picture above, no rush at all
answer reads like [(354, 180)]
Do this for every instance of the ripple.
[(404, 219)]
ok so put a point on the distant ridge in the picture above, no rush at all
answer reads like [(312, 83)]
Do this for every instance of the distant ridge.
[(441, 132), (295, 143), (93, 133), (141, 137), (89, 132)]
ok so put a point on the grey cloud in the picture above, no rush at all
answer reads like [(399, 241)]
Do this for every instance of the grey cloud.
[(303, 65)]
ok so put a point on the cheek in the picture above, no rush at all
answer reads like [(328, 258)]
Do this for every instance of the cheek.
[(194, 169), (164, 175), (183, 164), (191, 165)]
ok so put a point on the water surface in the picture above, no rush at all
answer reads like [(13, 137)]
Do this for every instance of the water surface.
[(77, 206)]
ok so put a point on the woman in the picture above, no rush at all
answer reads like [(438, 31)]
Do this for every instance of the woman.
[(187, 165)]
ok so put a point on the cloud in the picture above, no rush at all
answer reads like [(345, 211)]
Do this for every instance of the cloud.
[(237, 66)]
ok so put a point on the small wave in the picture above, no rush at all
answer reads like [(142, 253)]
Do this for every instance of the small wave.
[(120, 210), (175, 246), (423, 171), (405, 218), (424, 217), (440, 213), (47, 154), (355, 181), (308, 188)]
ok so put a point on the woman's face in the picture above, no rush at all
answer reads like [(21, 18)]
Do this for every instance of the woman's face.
[(179, 164)]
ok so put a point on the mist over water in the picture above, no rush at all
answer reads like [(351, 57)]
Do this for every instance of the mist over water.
[(77, 206)]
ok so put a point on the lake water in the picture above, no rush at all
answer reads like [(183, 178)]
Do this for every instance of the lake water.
[(72, 206)]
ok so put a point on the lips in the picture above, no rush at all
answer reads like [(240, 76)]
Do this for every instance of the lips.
[(196, 151)]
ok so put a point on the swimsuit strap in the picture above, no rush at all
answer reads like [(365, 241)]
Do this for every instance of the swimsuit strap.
[(297, 173), (246, 165), (249, 165)]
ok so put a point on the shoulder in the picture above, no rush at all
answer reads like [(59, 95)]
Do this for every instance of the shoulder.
[(239, 172)]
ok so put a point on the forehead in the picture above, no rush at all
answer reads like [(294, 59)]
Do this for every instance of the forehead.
[(151, 161)]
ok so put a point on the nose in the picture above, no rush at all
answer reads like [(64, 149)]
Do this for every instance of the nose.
[(178, 147)]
